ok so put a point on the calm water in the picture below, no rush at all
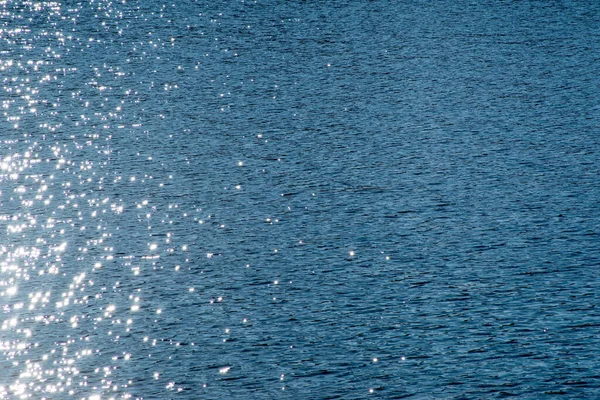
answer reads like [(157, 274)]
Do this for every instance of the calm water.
[(268, 199)]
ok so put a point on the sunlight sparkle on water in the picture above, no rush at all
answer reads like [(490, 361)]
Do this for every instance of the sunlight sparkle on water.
[(224, 370)]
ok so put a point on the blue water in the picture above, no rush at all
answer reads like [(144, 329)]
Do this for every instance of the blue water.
[(261, 199)]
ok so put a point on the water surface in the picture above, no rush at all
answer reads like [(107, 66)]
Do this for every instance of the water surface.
[(299, 199)]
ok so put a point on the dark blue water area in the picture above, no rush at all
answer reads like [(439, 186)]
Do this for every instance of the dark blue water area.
[(261, 199)]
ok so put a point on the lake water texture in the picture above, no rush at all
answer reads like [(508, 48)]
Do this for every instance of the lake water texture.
[(299, 199)]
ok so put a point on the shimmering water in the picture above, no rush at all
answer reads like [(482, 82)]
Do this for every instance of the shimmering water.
[(261, 199)]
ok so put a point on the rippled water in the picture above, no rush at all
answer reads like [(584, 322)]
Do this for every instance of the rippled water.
[(299, 199)]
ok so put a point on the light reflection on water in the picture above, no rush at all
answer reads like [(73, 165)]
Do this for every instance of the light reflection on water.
[(251, 200), (66, 324)]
